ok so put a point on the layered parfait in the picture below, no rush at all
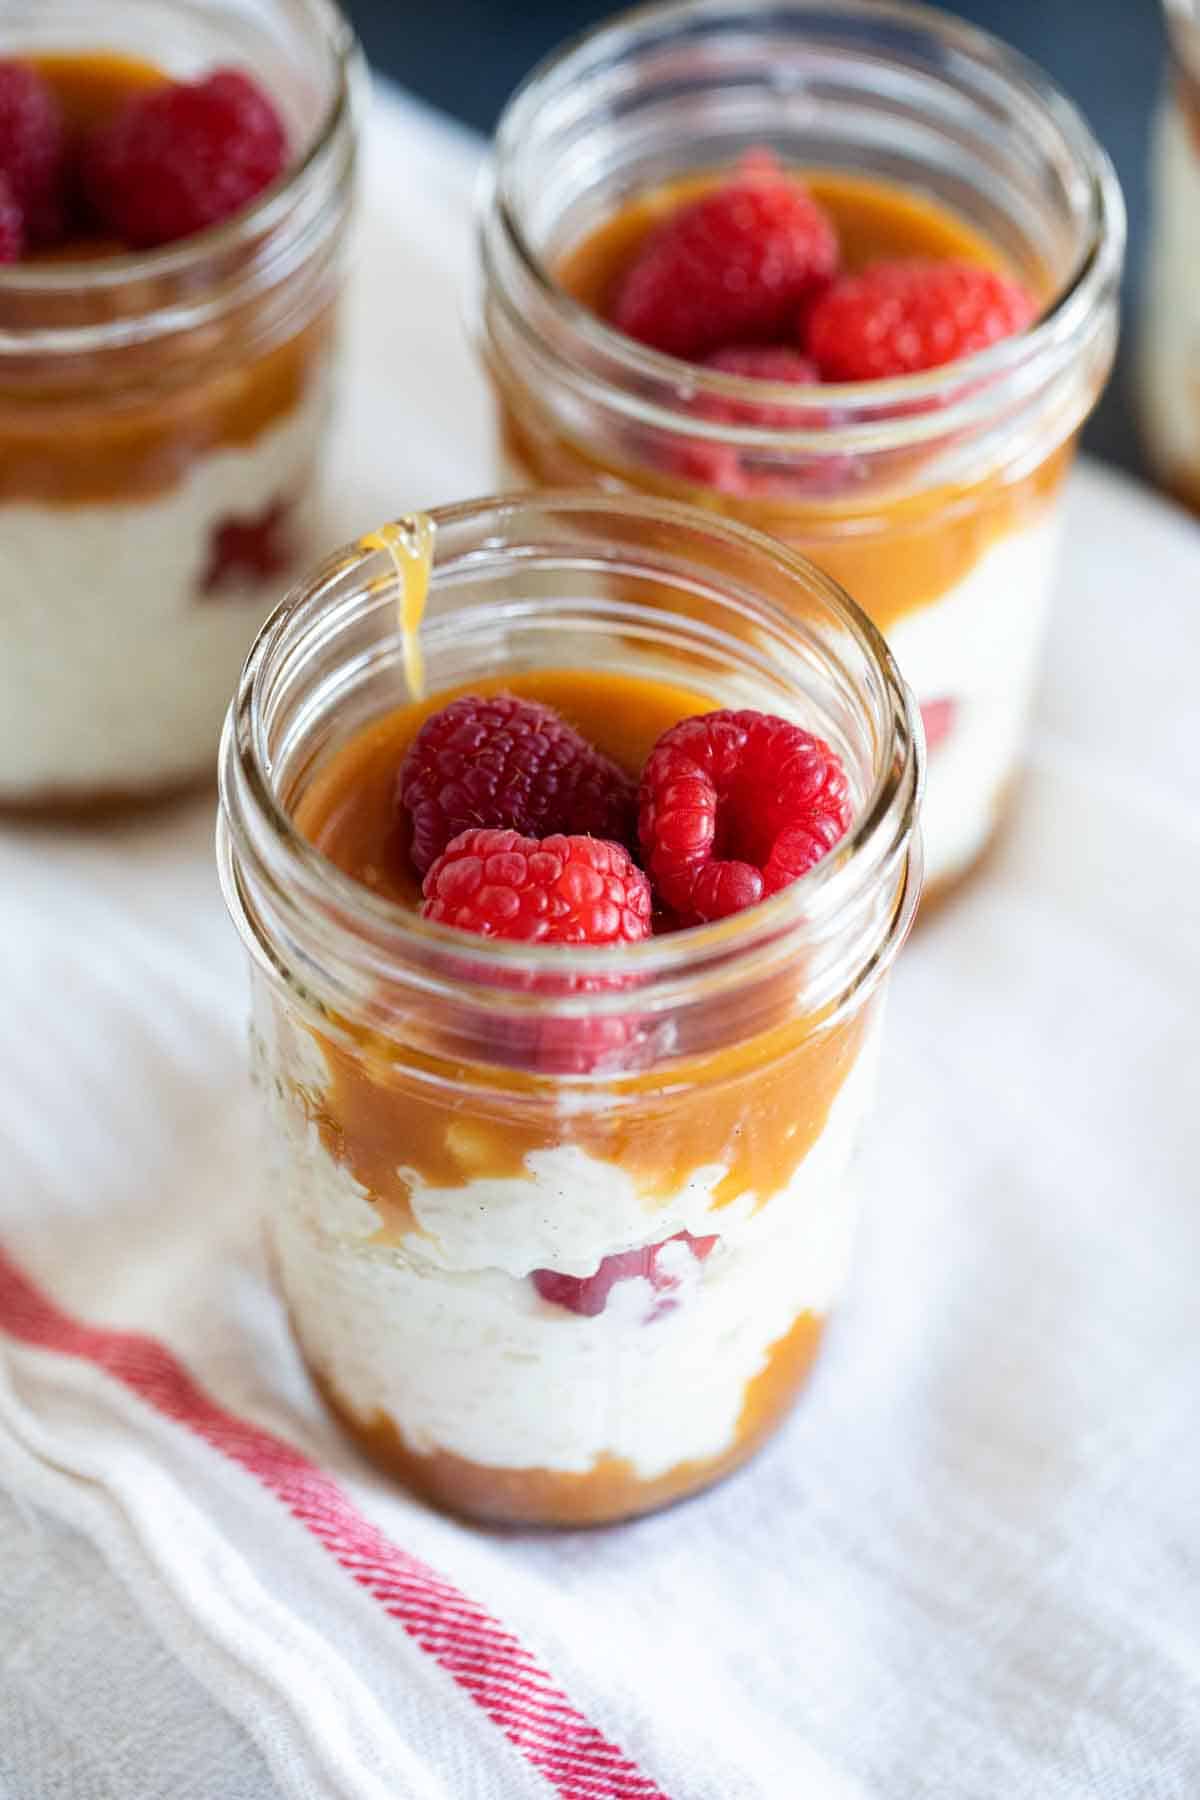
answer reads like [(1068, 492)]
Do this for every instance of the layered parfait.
[(1170, 336), (828, 304), (565, 1070), (170, 230)]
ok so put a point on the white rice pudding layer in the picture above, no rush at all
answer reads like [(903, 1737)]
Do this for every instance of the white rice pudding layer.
[(445, 1334), (979, 647), (115, 666), (1170, 331)]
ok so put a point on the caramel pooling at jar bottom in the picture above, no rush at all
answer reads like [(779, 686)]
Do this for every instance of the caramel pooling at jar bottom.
[(609, 1491)]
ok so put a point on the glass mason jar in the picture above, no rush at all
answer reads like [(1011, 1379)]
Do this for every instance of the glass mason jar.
[(1170, 328), (161, 417), (933, 498), (440, 1188)]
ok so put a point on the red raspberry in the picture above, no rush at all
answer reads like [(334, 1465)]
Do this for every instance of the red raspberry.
[(33, 151), (733, 807), (12, 224), (761, 362), (184, 156), (509, 763), (939, 718), (899, 317), (721, 465), (253, 550), (588, 1294), (611, 1042), (735, 266), (551, 890)]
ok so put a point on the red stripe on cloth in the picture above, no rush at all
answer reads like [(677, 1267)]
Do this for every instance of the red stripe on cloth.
[(485, 1659)]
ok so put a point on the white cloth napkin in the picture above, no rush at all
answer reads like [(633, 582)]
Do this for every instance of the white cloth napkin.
[(969, 1567)]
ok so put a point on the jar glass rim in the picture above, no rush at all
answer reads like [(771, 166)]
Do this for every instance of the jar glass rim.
[(919, 399), (885, 823), (256, 220)]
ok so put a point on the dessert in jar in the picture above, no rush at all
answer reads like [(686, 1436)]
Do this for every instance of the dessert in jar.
[(567, 982), (1170, 331), (174, 195), (845, 271)]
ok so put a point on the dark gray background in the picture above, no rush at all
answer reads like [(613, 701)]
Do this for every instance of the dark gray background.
[(466, 55)]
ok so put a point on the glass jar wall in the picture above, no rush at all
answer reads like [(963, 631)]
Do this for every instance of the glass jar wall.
[(559, 1228), (933, 498), (162, 412)]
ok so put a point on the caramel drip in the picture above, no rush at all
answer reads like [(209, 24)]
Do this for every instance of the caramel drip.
[(409, 543), (611, 1489), (893, 554)]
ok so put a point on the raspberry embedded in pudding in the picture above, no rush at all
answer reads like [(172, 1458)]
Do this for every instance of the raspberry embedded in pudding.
[(588, 1295), (938, 719), (247, 551)]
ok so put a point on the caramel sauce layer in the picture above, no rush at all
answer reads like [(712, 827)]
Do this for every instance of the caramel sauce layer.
[(611, 1489), (91, 87), (755, 1107), (94, 449), (101, 437), (894, 554)]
